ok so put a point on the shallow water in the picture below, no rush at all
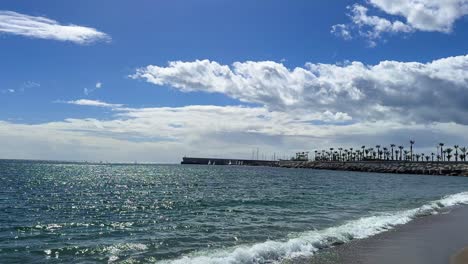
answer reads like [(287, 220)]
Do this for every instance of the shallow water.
[(63, 212)]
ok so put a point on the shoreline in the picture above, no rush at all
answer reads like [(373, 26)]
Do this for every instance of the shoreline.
[(396, 167), (432, 239)]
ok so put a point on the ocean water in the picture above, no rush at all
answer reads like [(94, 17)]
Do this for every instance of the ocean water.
[(53, 212)]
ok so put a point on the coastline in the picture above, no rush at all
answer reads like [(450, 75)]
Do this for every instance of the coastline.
[(432, 239), (398, 167)]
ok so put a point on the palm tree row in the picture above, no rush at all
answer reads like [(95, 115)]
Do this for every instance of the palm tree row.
[(392, 152)]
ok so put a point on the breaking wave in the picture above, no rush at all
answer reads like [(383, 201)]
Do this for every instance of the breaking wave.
[(307, 243)]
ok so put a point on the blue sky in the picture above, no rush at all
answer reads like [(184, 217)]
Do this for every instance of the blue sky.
[(45, 77)]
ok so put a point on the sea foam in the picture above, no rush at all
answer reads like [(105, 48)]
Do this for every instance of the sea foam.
[(308, 243)]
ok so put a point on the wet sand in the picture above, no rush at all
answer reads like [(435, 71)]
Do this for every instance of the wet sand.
[(461, 257), (434, 239)]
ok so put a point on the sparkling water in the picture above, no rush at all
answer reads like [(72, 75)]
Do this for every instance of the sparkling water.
[(52, 212)]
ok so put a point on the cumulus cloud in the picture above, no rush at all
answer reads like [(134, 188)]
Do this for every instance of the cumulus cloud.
[(93, 103), (342, 30), (426, 15), (45, 28), (418, 15), (98, 85), (390, 90)]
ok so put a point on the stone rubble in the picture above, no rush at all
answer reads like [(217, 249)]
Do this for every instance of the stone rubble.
[(401, 167)]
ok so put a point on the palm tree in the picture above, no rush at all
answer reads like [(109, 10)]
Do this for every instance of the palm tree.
[(449, 155), (432, 154), (418, 156), (456, 152), (385, 153), (462, 156), (442, 150), (463, 151), (392, 146), (396, 152), (340, 149), (401, 152), (362, 152), (378, 150), (427, 158), (411, 148)]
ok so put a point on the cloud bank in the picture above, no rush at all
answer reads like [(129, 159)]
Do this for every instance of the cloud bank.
[(418, 15), (165, 134), (45, 28), (305, 108), (389, 90)]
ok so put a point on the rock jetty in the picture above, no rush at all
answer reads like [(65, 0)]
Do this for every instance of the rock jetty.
[(401, 167)]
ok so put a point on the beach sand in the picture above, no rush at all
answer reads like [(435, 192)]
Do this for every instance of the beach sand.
[(461, 257), (435, 239)]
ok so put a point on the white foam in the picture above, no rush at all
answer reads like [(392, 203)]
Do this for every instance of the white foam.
[(117, 249), (126, 247), (307, 243)]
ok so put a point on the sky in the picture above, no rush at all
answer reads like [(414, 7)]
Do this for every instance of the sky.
[(153, 81)]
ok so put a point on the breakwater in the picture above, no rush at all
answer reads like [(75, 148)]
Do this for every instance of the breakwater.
[(401, 167), (222, 161)]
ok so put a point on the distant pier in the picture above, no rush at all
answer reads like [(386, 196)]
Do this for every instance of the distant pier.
[(222, 161)]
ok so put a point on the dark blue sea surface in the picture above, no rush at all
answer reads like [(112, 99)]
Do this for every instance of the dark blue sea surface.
[(53, 212)]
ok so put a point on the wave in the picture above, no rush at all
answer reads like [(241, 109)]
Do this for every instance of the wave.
[(308, 243)]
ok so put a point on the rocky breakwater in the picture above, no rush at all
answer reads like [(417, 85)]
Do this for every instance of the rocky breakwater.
[(402, 167)]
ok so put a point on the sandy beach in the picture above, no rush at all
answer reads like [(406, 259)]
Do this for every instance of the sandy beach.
[(434, 239)]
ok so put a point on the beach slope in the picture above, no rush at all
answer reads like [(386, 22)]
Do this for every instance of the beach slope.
[(434, 239)]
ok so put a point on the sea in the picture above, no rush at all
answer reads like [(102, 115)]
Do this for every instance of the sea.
[(62, 212)]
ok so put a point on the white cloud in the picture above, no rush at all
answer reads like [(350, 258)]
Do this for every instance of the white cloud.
[(418, 15), (30, 84), (165, 134), (45, 28), (87, 91), (93, 103), (426, 15), (22, 87), (375, 25), (391, 90), (342, 30), (7, 91)]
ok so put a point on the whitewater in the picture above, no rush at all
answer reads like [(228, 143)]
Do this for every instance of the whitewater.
[(308, 243)]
